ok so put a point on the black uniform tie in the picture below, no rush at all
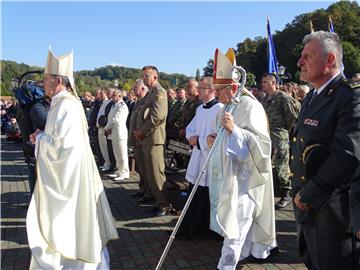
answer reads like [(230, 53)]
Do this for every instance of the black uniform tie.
[(314, 95)]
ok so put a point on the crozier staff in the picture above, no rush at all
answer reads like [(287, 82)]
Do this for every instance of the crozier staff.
[(241, 188)]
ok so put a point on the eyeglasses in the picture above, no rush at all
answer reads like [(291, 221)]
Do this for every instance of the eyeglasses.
[(147, 75)]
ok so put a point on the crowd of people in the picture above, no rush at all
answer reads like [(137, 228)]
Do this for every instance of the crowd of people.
[(302, 143), (9, 126)]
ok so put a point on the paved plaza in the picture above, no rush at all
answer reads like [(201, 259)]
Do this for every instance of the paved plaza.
[(142, 237)]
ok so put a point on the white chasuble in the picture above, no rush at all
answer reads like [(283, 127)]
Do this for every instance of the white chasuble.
[(241, 165), (69, 213)]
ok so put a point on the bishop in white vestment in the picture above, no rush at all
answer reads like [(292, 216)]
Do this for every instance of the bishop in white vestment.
[(241, 191), (69, 220)]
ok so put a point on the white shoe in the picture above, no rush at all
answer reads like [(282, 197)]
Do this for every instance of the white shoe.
[(119, 179), (106, 168), (113, 175)]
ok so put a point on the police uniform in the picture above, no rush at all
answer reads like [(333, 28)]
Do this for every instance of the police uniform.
[(325, 153), (151, 120), (355, 203)]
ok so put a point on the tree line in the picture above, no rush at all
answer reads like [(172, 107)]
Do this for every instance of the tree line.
[(251, 54)]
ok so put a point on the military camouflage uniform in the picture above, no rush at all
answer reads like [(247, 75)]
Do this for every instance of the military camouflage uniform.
[(171, 106), (188, 112), (282, 112), (176, 113), (173, 120)]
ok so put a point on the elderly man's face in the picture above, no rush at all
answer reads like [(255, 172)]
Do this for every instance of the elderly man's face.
[(312, 62), (116, 96), (103, 94), (224, 94), (137, 90), (50, 85)]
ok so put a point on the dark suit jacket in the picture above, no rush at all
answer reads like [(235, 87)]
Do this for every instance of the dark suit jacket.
[(331, 119), (94, 112), (355, 202)]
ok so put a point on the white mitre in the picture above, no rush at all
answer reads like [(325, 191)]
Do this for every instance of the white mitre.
[(225, 72), (61, 65), (223, 67)]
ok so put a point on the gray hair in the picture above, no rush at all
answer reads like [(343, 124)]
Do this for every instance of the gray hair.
[(330, 43), (140, 82)]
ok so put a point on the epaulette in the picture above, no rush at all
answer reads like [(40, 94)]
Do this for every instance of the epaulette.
[(351, 84), (334, 87)]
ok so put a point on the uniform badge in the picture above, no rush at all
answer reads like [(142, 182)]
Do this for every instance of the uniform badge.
[(311, 122), (146, 112)]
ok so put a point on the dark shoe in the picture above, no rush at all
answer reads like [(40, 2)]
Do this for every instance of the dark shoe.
[(145, 200), (284, 201), (161, 213), (273, 253), (137, 193)]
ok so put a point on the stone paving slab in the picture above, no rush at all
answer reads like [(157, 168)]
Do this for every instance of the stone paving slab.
[(142, 237)]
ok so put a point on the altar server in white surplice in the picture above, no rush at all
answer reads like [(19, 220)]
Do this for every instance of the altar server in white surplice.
[(118, 134), (197, 219), (241, 191), (69, 220)]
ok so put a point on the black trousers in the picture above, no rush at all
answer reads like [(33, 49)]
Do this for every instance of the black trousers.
[(197, 218), (111, 154), (94, 138), (324, 250), (325, 237)]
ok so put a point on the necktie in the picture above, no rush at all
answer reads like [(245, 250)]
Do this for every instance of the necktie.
[(314, 95)]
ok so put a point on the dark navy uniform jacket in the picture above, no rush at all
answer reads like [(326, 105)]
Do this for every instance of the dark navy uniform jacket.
[(331, 120)]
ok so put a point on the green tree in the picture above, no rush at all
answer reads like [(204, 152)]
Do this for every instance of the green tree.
[(209, 69), (4, 91), (197, 76), (351, 59), (252, 54)]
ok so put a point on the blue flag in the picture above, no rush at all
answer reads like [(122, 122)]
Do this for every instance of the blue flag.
[(331, 26), (272, 66), (332, 30)]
